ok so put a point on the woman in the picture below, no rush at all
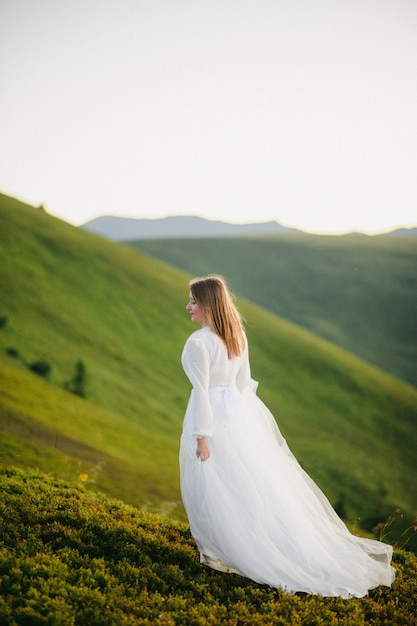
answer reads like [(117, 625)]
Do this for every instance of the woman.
[(252, 509)]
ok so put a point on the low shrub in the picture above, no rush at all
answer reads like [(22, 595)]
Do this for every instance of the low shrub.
[(71, 557), (77, 383), (42, 368), (13, 352)]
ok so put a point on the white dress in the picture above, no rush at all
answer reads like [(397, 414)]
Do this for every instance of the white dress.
[(251, 507)]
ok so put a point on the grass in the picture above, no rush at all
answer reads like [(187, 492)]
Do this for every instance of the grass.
[(358, 292), (71, 557), (46, 427), (71, 296)]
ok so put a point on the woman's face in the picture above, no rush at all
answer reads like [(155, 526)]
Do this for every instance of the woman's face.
[(196, 312)]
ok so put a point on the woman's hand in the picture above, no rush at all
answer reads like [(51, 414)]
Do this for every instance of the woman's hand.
[(203, 451)]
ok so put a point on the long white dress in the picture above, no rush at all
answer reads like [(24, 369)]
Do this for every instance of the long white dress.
[(252, 509)]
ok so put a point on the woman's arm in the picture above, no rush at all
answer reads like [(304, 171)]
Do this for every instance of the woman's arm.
[(196, 363)]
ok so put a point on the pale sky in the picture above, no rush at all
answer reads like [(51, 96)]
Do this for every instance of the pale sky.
[(299, 111)]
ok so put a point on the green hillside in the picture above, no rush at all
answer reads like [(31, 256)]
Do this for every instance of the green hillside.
[(70, 297), (69, 557), (358, 292)]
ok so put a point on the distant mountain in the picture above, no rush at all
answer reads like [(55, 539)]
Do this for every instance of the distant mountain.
[(192, 226), (402, 232), (128, 229)]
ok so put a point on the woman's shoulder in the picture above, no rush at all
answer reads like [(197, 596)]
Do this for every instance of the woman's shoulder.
[(201, 337)]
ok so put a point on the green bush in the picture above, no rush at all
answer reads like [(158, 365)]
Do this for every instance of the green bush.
[(77, 384), (13, 352), (72, 557), (42, 368)]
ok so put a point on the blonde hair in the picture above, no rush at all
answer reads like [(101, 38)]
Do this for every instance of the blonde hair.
[(213, 296)]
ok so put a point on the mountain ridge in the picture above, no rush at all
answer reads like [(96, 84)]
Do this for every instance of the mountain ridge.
[(193, 226), (125, 228)]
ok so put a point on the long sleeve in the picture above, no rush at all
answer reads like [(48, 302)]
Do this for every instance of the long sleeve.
[(196, 364)]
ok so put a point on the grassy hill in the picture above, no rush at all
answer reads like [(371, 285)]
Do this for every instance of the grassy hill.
[(358, 292), (68, 296), (69, 556)]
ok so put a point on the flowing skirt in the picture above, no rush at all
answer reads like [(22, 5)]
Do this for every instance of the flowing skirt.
[(253, 510)]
